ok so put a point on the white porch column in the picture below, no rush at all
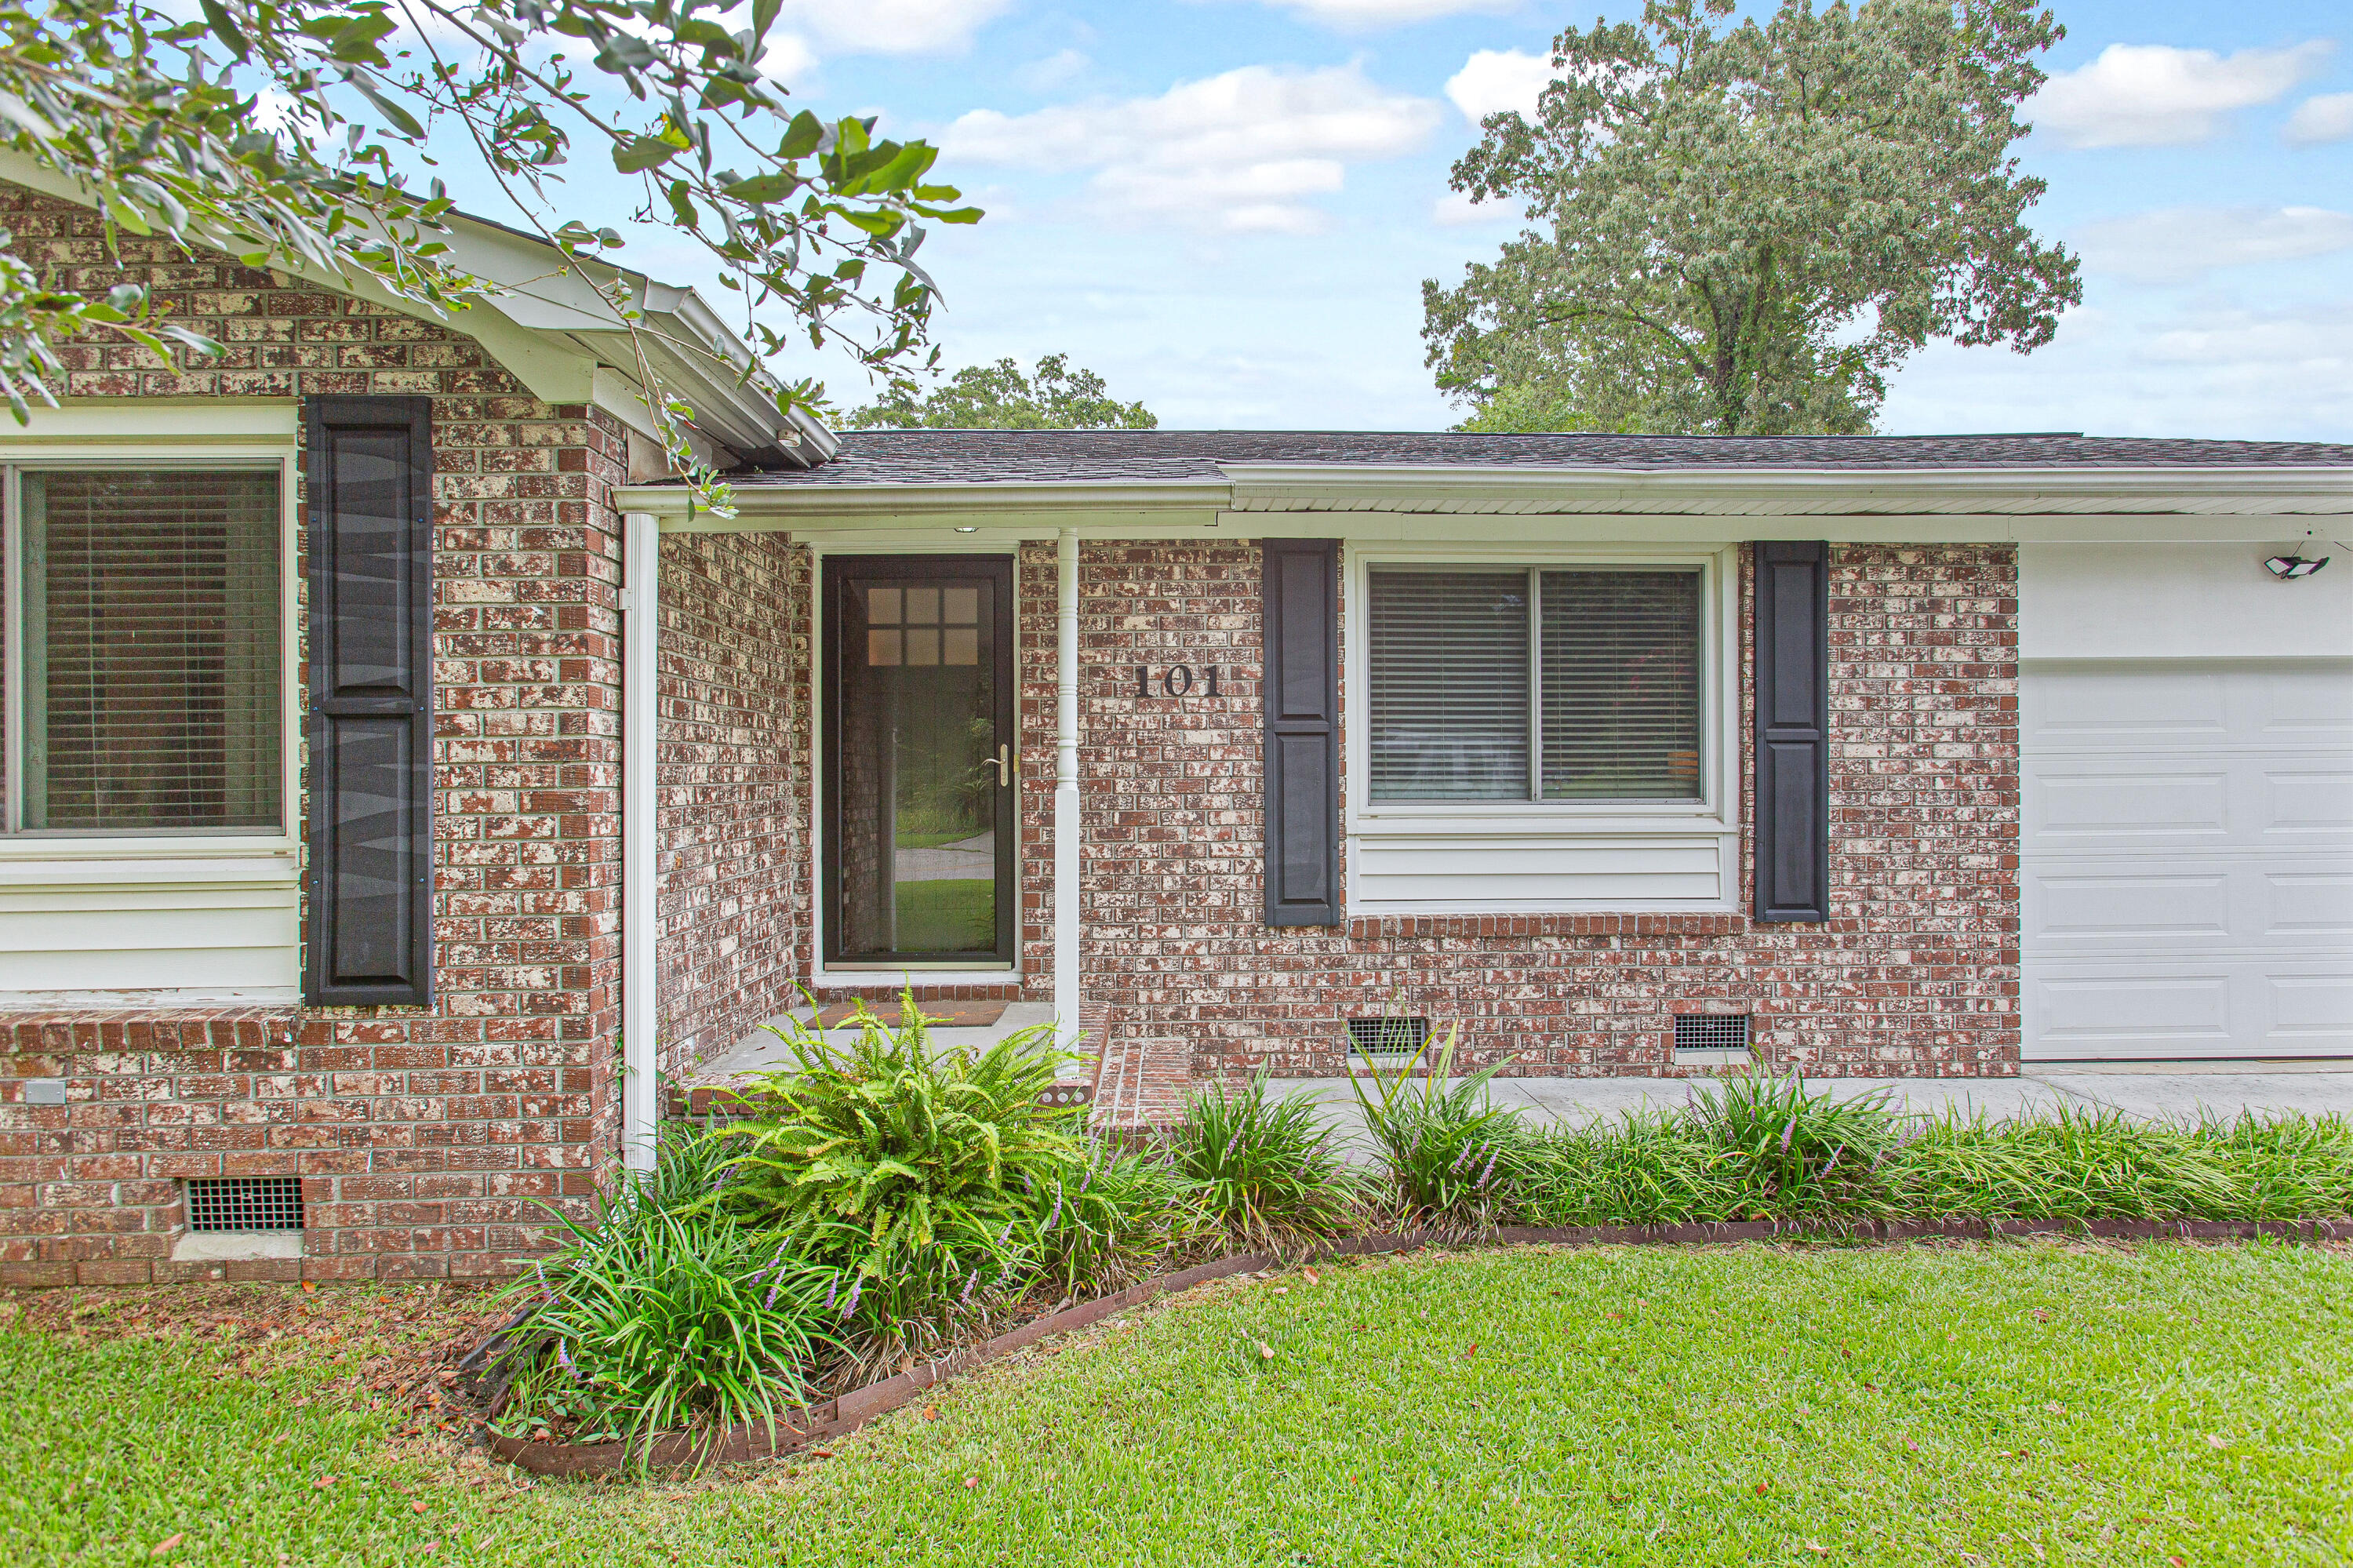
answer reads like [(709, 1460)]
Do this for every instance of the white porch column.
[(1066, 786), (641, 1087)]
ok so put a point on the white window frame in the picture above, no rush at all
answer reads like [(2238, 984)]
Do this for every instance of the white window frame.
[(1493, 823), (132, 849)]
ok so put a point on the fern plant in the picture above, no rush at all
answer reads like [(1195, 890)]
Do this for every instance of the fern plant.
[(921, 1174)]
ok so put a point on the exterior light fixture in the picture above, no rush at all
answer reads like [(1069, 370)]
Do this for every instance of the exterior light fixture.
[(2295, 563), (975, 528)]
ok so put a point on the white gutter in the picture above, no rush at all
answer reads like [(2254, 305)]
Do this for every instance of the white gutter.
[(755, 500), (1730, 490), (1066, 786), (640, 958)]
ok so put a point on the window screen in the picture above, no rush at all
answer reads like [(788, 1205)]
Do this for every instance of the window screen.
[(150, 649), (1614, 667), (1450, 686)]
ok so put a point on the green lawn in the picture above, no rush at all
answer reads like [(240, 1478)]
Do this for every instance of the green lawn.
[(2016, 1403)]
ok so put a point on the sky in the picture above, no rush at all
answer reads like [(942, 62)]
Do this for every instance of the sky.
[(1227, 207)]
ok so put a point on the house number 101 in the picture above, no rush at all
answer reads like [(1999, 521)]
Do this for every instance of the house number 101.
[(1175, 680)]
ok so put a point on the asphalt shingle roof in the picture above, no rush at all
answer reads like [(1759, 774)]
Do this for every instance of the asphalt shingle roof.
[(1161, 457)]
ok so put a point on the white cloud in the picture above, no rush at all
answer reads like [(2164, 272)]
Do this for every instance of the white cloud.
[(2179, 245), (1493, 80), (787, 58), (1238, 153), (1062, 66), (2152, 95), (2328, 118), (1357, 16), (1455, 209), (892, 27)]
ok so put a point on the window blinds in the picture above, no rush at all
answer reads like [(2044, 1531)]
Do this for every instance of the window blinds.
[(1620, 655), (1613, 666), (1450, 679), (150, 649)]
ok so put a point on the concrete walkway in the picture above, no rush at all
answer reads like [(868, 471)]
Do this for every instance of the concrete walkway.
[(2154, 1091)]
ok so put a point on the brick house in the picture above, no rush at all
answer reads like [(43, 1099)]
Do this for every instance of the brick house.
[(406, 781)]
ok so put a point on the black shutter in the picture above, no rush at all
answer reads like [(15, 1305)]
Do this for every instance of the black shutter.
[(1303, 731), (369, 505), (1793, 770)]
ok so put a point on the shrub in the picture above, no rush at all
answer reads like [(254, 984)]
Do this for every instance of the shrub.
[(1450, 1154), (1123, 1215), (1263, 1167), (1646, 1167), (2287, 1167), (661, 1318), (925, 1175), (1792, 1152)]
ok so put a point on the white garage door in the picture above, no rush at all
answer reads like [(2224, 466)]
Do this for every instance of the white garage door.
[(2187, 858)]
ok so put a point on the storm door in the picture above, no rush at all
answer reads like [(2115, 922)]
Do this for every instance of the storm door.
[(919, 760)]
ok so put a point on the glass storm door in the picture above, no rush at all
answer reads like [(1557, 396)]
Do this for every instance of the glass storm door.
[(919, 787)]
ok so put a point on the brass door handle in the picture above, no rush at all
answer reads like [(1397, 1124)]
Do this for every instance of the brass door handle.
[(1004, 764)]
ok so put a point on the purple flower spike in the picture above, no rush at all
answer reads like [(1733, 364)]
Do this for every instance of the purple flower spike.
[(564, 1360), (1231, 1144), (1490, 1170), (969, 1281), (1786, 1133), (851, 1304), (1005, 1234), (831, 1287)]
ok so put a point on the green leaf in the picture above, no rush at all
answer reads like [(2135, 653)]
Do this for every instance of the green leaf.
[(763, 17), (801, 137), (402, 120), (762, 189), (217, 22), (641, 153)]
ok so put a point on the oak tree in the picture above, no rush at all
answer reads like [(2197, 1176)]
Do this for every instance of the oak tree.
[(305, 134), (1000, 398), (1741, 230)]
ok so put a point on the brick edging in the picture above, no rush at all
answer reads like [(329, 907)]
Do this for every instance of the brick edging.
[(839, 1416)]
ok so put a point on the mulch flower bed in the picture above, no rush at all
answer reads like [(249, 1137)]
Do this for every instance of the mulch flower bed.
[(831, 1419)]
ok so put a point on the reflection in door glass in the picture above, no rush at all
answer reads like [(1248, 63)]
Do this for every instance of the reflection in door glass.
[(919, 773)]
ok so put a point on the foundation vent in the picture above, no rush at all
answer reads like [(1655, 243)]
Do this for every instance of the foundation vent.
[(1719, 1038), (1387, 1041), (246, 1204)]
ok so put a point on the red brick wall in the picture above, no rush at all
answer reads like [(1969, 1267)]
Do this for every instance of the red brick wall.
[(425, 1138), (734, 750), (1916, 973)]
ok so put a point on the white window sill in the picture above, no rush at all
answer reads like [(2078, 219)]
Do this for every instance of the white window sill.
[(42, 865), (235, 1246), (182, 999), (1520, 818)]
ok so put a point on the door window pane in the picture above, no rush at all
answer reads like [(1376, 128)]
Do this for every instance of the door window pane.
[(1450, 686), (151, 650), (922, 808)]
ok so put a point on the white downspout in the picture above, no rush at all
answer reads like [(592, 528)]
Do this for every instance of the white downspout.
[(1066, 786), (640, 1086)]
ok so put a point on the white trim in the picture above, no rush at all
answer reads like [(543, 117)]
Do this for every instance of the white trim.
[(1066, 788), (641, 888), (820, 975), (1558, 825), (98, 448), (1453, 487), (150, 421)]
